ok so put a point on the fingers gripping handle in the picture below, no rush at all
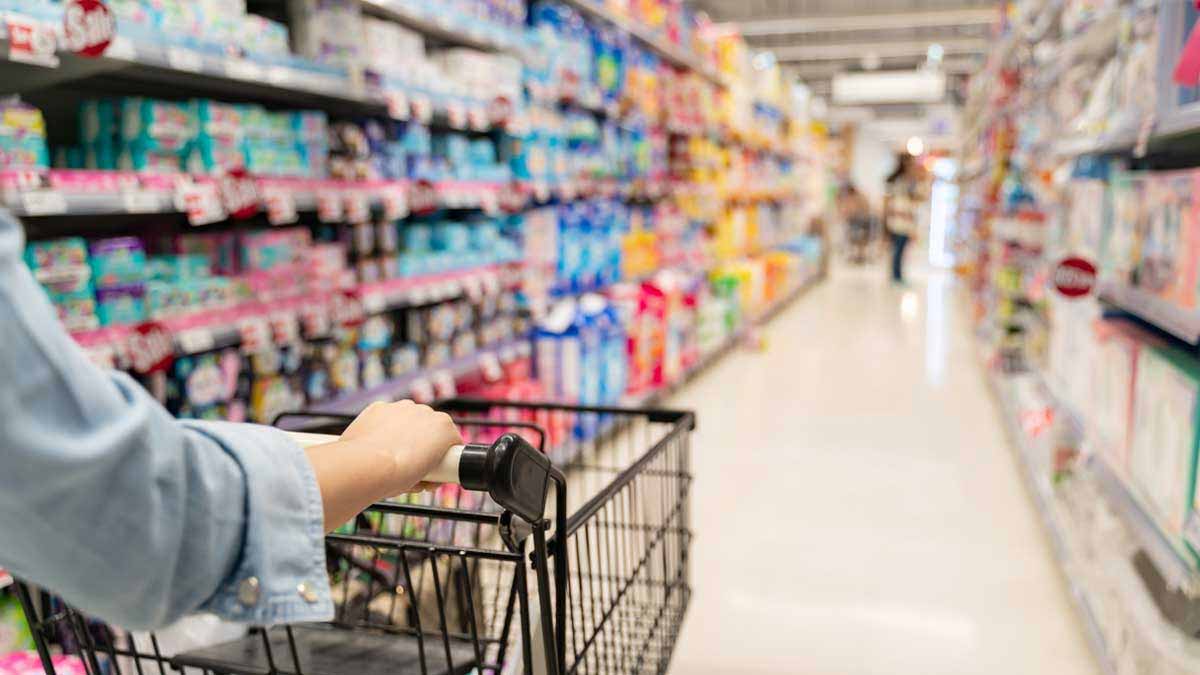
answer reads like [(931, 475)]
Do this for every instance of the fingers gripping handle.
[(445, 472), (510, 470)]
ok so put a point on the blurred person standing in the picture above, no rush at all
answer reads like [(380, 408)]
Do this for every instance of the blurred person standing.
[(856, 213), (901, 198)]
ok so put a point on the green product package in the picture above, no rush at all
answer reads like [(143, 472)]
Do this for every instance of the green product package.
[(15, 635), (1164, 441)]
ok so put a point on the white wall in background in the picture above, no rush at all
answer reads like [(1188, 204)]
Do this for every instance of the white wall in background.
[(872, 160)]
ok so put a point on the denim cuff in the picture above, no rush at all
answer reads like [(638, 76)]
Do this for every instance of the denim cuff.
[(280, 575)]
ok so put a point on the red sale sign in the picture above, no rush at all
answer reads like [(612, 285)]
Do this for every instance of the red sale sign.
[(88, 27), (150, 348), (1074, 277), (239, 193)]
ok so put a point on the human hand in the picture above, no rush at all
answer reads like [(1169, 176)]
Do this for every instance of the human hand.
[(409, 439)]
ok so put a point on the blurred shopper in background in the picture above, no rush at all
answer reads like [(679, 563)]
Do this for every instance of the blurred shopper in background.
[(856, 213), (901, 197)]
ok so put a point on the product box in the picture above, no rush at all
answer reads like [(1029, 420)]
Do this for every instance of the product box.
[(1130, 216), (1168, 254), (1162, 453), (1109, 409)]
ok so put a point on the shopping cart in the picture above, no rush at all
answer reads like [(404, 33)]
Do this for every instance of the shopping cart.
[(440, 583)]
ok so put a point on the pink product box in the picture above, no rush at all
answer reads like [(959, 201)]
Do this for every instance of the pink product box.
[(27, 663), (325, 259)]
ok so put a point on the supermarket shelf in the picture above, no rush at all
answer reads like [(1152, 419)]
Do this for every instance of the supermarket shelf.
[(710, 358), (402, 387), (1183, 324), (437, 31), (219, 329), (56, 193), (192, 71), (1178, 572), (1052, 520), (663, 49), (1115, 142)]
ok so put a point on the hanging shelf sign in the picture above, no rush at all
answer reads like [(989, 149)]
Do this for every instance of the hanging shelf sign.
[(88, 27)]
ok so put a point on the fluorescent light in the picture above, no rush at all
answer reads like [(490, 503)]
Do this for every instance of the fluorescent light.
[(889, 86), (856, 50), (915, 146), (876, 21)]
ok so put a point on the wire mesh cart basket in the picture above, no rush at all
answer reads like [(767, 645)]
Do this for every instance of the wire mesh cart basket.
[(487, 576)]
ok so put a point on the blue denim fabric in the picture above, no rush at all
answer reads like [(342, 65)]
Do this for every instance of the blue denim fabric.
[(129, 514)]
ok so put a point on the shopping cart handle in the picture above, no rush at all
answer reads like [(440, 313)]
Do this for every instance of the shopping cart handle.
[(510, 470), (444, 472)]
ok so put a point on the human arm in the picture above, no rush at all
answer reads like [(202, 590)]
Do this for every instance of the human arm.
[(138, 518), (387, 450)]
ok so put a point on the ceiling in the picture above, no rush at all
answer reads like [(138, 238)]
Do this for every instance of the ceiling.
[(816, 39)]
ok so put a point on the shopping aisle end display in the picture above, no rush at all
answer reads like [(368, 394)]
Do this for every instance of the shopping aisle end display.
[(1081, 254), (337, 202), (908, 544)]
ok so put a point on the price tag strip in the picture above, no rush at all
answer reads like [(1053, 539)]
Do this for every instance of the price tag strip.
[(43, 203), (329, 206), (280, 204), (195, 340)]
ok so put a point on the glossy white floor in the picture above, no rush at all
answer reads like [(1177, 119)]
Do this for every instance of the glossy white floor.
[(856, 507)]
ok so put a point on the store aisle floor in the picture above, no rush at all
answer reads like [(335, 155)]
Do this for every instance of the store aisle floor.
[(857, 507)]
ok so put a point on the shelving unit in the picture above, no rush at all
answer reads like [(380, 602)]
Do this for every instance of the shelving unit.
[(196, 72), (432, 29), (1182, 324), (671, 53)]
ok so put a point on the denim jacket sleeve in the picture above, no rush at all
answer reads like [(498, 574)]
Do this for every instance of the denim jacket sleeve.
[(129, 514)]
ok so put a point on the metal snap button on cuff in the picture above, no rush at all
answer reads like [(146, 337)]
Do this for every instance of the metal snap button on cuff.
[(310, 596), (248, 592)]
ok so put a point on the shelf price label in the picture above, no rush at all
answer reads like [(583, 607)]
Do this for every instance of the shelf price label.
[(255, 334), (347, 310), (200, 201), (489, 201), (500, 110), (285, 328), (196, 340), (373, 303), (315, 320), (513, 199), (398, 106), (421, 391), (422, 109), (329, 206), (477, 117), (180, 58), (140, 201), (281, 205), (31, 41), (456, 113), (43, 202), (357, 207), (444, 385), (422, 198), (489, 366), (88, 27), (395, 202)]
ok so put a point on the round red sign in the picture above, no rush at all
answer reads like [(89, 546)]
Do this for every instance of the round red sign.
[(150, 348), (1075, 277), (88, 26), (239, 193)]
